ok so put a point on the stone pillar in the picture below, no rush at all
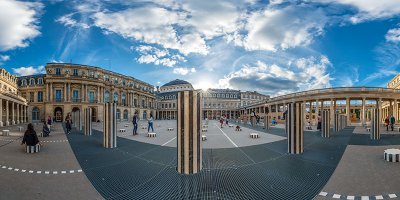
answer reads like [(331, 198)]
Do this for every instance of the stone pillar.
[(83, 93), (332, 111), (348, 110), (18, 114), (26, 113), (47, 92), (98, 94), (336, 122), (189, 151), (266, 121), (65, 92), (1, 112), (316, 108), (110, 125), (326, 123), (375, 129), (363, 112), (379, 104), (395, 111), (12, 113), (51, 92), (88, 121), (294, 128)]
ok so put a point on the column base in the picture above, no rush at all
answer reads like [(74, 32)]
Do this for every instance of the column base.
[(1, 123), (17, 121), (7, 123), (13, 122)]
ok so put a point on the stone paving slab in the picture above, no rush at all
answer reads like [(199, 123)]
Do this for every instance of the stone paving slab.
[(53, 173)]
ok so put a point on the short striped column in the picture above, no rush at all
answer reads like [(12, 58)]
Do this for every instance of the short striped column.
[(325, 123), (88, 121), (110, 125), (375, 131), (336, 122), (266, 122), (294, 128), (189, 151)]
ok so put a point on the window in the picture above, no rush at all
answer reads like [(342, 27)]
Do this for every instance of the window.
[(23, 82), (115, 80), (91, 96), (123, 82), (40, 81), (135, 102), (58, 71), (75, 96), (123, 98), (106, 78), (31, 96), (75, 72), (125, 115), (106, 97), (35, 114), (118, 114), (91, 74), (115, 97), (58, 95), (40, 96), (32, 81)]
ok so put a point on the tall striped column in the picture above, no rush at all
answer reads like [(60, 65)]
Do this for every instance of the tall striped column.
[(189, 149), (336, 122), (294, 128), (88, 121), (266, 122), (326, 123), (110, 125), (375, 131)]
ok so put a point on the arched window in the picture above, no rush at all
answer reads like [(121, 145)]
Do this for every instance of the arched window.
[(35, 114), (23, 82), (123, 98), (32, 81), (106, 97), (118, 114), (40, 81), (116, 97), (126, 115)]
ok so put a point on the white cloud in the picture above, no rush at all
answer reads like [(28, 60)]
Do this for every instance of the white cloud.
[(18, 23), (67, 20), (368, 10), (274, 29), (302, 74), (150, 54), (393, 35), (4, 57), (184, 70), (26, 71)]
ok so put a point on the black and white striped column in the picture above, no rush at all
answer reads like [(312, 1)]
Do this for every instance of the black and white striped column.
[(326, 123), (110, 125), (336, 122), (375, 131), (294, 128), (266, 122), (88, 121), (189, 151)]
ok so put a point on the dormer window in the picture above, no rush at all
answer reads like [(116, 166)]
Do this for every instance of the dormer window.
[(58, 71), (40, 81), (23, 82), (32, 81), (75, 72)]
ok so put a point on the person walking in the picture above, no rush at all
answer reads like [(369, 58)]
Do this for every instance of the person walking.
[(150, 121), (221, 121), (49, 120), (319, 122), (387, 123), (46, 130), (392, 121), (135, 124), (68, 123)]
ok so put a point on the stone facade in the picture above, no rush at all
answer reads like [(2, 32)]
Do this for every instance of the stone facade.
[(71, 88)]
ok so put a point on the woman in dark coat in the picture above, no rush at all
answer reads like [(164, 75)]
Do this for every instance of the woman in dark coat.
[(30, 137), (46, 130)]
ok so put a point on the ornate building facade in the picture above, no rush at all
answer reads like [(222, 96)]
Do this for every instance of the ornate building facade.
[(70, 88), (13, 107)]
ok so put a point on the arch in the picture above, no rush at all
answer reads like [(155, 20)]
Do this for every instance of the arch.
[(144, 115), (24, 82), (58, 114), (31, 81), (126, 115), (35, 114)]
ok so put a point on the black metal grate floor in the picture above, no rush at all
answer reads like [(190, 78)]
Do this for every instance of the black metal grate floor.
[(138, 170)]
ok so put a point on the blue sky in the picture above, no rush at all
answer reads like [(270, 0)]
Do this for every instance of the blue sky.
[(274, 47)]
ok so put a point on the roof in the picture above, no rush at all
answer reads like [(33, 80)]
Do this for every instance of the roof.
[(176, 82)]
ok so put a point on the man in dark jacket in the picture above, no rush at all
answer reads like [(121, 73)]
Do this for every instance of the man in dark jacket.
[(135, 124), (392, 121), (30, 137)]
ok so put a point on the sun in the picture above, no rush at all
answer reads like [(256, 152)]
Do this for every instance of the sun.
[(203, 84)]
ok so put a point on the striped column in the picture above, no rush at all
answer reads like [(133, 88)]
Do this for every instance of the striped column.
[(336, 122), (326, 123), (189, 123), (88, 121), (294, 128), (110, 125), (375, 131), (266, 122)]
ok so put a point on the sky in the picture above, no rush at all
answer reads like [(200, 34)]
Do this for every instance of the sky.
[(273, 47)]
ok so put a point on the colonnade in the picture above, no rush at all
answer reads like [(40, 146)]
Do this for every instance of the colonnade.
[(12, 112)]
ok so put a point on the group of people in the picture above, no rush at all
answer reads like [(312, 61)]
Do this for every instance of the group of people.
[(135, 122), (222, 120), (390, 121)]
